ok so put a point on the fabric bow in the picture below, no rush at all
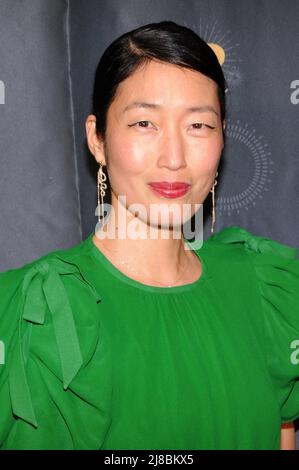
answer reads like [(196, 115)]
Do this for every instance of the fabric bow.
[(258, 244), (42, 289)]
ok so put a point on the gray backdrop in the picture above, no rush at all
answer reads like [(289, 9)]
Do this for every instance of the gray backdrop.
[(49, 50)]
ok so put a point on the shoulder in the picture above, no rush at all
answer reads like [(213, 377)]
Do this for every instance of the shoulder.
[(62, 261), (49, 311), (241, 242), (275, 267), (44, 284)]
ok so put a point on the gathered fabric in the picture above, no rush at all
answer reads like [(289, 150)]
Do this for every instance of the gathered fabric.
[(94, 359)]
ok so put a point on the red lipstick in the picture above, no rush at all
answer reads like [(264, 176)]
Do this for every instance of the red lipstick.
[(170, 189)]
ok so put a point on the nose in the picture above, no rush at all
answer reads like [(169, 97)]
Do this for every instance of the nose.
[(172, 149)]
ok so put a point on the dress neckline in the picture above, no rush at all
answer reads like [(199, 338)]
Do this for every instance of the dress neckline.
[(98, 255)]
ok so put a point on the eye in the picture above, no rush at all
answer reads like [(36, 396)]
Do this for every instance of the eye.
[(143, 124), (201, 125)]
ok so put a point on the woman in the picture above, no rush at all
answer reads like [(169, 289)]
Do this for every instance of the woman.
[(148, 342)]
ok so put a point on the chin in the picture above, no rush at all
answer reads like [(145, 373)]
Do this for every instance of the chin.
[(167, 222)]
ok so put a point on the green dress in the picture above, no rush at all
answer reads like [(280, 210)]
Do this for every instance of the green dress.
[(97, 360)]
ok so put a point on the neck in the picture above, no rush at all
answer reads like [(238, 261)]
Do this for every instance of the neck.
[(159, 252)]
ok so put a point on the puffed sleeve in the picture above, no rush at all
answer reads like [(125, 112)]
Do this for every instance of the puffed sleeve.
[(277, 272), (55, 362)]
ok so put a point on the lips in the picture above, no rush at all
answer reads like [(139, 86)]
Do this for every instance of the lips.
[(170, 186), (170, 190)]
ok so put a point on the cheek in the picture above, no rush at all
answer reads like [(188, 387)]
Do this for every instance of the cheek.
[(207, 154), (127, 156)]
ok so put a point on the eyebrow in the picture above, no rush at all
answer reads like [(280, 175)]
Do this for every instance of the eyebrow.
[(192, 109)]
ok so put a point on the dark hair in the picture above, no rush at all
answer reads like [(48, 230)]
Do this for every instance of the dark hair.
[(165, 41)]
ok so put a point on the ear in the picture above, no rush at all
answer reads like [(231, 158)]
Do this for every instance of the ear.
[(95, 143), (224, 124)]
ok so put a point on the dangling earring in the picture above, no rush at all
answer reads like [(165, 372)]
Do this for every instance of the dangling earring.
[(213, 203), (102, 186)]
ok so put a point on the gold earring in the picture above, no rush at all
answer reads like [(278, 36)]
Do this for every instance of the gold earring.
[(102, 186), (213, 202)]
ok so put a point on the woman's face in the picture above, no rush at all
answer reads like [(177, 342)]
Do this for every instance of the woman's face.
[(174, 136)]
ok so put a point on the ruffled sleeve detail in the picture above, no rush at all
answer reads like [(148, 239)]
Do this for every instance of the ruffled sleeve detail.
[(42, 290), (277, 273), (59, 351)]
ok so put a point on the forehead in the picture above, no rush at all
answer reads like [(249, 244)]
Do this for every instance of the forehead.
[(167, 85)]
